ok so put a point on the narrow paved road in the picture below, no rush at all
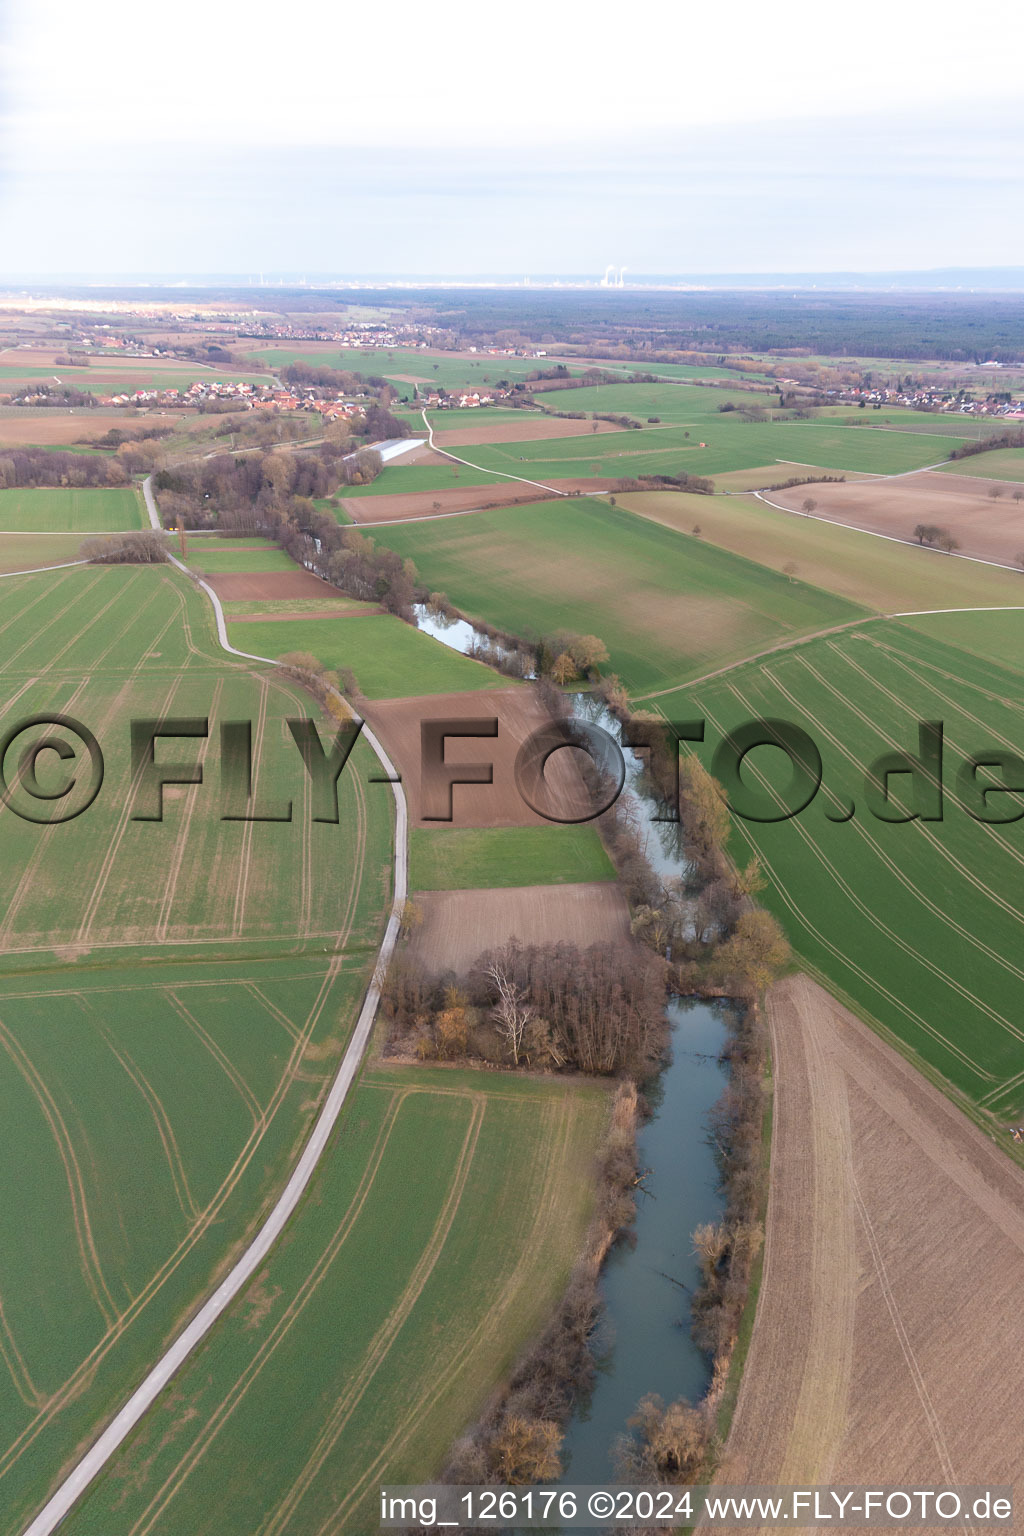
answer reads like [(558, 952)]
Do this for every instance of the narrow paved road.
[(146, 1394)]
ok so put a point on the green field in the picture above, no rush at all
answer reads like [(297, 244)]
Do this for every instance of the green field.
[(379, 1327), (32, 551), (333, 507), (399, 480), (917, 924), (680, 403), (244, 558), (248, 608), (112, 376), (998, 464), (390, 659), (174, 996), (59, 510), (458, 858), (876, 573), (997, 637), (730, 444), (667, 607)]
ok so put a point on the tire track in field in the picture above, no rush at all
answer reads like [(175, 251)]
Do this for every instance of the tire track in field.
[(47, 590), (254, 1366), (15, 1363), (80, 634), (906, 1348), (155, 1105), (386, 1335), (245, 860), (547, 1216), (92, 1270), (992, 831), (876, 922), (181, 841), (826, 944), (43, 840), (73, 1386), (915, 891), (220, 1056), (821, 1409), (48, 833), (983, 725), (89, 916), (902, 657), (271, 1008), (922, 829)]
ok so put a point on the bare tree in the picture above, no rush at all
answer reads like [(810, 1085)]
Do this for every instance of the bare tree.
[(994, 492), (512, 1012), (809, 504)]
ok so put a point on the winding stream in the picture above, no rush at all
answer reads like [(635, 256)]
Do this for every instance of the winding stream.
[(645, 1344)]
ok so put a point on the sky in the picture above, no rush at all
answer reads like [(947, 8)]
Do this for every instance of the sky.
[(545, 138)]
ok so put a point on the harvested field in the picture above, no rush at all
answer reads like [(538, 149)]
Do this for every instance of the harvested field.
[(518, 711), (239, 587), (50, 428), (893, 1280), (464, 498), (459, 925), (986, 528), (530, 427), (878, 573)]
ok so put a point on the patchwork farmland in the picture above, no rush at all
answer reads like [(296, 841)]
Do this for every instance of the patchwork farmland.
[(668, 608), (176, 996)]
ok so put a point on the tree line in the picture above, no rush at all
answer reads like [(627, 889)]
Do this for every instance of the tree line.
[(30, 467)]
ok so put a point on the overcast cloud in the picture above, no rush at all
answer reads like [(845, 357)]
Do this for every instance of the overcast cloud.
[(554, 138)]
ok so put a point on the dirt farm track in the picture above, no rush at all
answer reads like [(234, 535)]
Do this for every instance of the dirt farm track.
[(884, 1351)]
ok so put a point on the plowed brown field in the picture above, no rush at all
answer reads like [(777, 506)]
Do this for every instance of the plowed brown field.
[(990, 530), (238, 587), (51, 427), (887, 1342), (518, 712), (459, 925)]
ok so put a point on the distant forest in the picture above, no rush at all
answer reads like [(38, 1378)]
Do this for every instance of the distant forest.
[(949, 327), (958, 327)]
